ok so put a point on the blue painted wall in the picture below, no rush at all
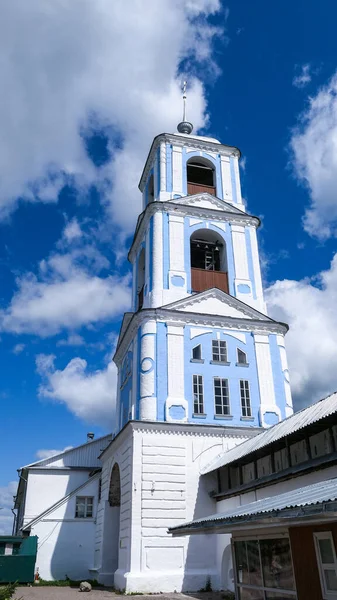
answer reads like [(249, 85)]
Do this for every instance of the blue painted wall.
[(277, 375), (125, 382)]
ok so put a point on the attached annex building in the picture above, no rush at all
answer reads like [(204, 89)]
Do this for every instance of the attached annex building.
[(201, 368)]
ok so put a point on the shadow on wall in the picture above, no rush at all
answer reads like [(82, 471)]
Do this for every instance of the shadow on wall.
[(209, 555)]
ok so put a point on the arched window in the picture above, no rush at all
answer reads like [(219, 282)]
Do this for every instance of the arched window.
[(200, 176), (140, 279), (208, 261)]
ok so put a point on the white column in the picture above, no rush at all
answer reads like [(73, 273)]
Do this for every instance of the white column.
[(284, 363), (177, 170), (237, 180), (265, 377), (257, 271), (176, 232), (242, 283), (175, 370), (226, 179), (163, 167), (156, 298), (148, 400), (135, 368)]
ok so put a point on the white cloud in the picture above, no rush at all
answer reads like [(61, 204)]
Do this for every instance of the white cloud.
[(72, 231), (74, 339), (66, 293), (314, 158), (304, 76), (6, 503), (44, 453), (309, 307), (91, 396), (67, 63), (18, 348)]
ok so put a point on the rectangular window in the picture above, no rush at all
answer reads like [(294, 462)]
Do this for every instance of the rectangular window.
[(327, 563), (246, 408), (196, 352), (221, 396), (84, 507), (219, 351), (264, 569), (198, 395)]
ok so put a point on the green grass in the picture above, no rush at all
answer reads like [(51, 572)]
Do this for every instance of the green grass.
[(7, 591)]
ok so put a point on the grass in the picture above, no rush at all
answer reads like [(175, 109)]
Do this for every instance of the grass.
[(7, 591)]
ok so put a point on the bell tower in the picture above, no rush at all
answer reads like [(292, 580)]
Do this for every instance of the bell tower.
[(198, 345)]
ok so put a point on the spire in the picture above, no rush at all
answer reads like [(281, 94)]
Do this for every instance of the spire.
[(184, 126)]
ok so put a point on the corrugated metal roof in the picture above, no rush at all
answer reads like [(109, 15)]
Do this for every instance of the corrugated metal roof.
[(299, 420), (316, 493), (85, 455)]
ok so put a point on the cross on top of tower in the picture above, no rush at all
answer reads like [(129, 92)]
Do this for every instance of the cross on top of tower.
[(184, 126)]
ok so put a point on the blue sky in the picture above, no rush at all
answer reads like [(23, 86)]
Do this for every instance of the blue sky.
[(88, 85)]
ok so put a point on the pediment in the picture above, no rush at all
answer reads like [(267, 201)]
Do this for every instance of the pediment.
[(205, 200), (216, 302)]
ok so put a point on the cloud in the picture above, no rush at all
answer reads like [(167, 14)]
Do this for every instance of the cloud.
[(314, 160), (72, 340), (6, 503), (70, 67), (91, 396), (304, 77), (41, 454), (66, 292), (308, 306), (18, 348)]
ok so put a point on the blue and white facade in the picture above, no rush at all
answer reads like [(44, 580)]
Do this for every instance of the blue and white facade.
[(157, 356), (201, 368)]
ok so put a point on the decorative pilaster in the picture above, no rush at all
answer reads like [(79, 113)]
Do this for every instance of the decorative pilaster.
[(148, 399), (284, 363), (269, 411), (175, 404)]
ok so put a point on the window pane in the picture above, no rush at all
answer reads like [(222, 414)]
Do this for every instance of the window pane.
[(330, 579), (196, 352), (279, 596), (241, 562), (326, 551), (254, 567), (276, 564), (242, 357), (247, 594)]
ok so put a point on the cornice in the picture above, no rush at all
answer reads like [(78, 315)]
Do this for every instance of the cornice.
[(186, 318), (190, 210), (178, 140), (192, 429)]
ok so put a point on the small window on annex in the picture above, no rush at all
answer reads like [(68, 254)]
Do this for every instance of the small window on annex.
[(84, 507), (264, 569), (327, 563)]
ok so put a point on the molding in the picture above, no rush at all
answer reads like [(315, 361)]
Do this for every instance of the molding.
[(228, 300), (221, 204), (188, 142), (182, 210), (177, 317)]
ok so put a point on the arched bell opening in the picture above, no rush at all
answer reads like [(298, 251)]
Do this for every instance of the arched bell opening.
[(208, 261), (140, 279), (200, 176)]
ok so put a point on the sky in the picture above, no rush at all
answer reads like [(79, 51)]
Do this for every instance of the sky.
[(85, 88)]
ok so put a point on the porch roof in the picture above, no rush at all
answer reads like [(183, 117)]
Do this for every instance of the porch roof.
[(315, 500)]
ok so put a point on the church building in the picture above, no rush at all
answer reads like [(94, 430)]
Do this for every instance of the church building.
[(201, 368)]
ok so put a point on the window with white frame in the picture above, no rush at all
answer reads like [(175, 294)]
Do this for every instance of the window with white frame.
[(242, 357), (246, 409), (84, 507), (198, 395), (221, 397), (327, 563), (219, 351)]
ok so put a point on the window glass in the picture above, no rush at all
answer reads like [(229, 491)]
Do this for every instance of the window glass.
[(16, 548), (330, 580), (242, 357), (325, 548), (246, 409), (279, 596), (249, 594), (84, 507), (2, 548), (221, 396), (241, 562), (326, 560), (276, 564), (198, 394), (254, 566), (219, 351), (196, 352)]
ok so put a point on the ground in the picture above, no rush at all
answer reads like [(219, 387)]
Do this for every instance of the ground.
[(67, 593)]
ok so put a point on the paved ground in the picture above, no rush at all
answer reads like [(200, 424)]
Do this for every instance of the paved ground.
[(66, 593)]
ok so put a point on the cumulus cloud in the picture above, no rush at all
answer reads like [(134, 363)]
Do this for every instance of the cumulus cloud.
[(6, 503), (68, 66), (44, 453), (303, 77), (314, 159), (18, 348), (91, 396), (66, 292), (309, 307)]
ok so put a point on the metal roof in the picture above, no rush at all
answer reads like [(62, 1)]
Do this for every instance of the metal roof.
[(85, 455), (299, 420), (316, 493)]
